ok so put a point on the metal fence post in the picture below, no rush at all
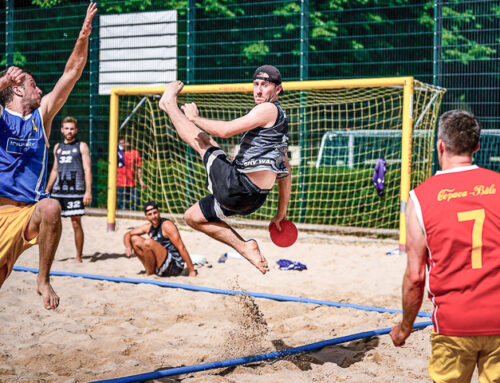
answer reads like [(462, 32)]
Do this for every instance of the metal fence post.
[(9, 32), (94, 98), (303, 75), (190, 42), (190, 77), (437, 62), (437, 43), (304, 40)]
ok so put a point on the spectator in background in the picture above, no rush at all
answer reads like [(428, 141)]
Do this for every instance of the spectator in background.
[(127, 175), (71, 179), (453, 227)]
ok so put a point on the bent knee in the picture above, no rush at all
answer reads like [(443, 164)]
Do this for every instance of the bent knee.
[(136, 240), (149, 243), (189, 217), (50, 209), (193, 216)]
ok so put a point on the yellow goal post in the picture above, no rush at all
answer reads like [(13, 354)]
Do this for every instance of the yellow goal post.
[(339, 93)]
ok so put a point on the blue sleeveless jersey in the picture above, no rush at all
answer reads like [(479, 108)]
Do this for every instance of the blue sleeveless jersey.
[(23, 156)]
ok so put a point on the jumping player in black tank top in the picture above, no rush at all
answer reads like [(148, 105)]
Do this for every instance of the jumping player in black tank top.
[(238, 187), (163, 253)]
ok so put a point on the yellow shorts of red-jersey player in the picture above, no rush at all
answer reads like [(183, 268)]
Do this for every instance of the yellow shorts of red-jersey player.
[(454, 358)]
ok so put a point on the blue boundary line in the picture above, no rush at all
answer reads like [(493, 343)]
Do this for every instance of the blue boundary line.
[(254, 358), (281, 298)]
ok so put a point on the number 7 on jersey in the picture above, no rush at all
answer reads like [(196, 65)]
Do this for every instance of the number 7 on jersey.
[(477, 234)]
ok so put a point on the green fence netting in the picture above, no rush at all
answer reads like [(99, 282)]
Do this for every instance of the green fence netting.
[(453, 44)]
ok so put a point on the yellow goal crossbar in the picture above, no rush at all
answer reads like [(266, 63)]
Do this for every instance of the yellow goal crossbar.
[(407, 83)]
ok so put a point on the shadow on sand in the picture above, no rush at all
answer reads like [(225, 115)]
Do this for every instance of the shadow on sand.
[(96, 257), (342, 355)]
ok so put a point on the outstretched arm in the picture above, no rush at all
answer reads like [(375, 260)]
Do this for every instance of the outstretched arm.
[(127, 238), (414, 278), (170, 231), (53, 173), (284, 190), (263, 115), (53, 101), (87, 171)]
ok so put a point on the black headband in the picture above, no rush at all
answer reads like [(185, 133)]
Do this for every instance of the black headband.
[(150, 206), (273, 73), (265, 79)]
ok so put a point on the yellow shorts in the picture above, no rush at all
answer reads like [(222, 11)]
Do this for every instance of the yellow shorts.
[(454, 358), (13, 223)]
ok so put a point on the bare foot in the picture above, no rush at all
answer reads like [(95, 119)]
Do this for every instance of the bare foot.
[(78, 260), (253, 255), (170, 94), (50, 298)]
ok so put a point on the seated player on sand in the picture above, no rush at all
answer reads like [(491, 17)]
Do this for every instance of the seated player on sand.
[(163, 253)]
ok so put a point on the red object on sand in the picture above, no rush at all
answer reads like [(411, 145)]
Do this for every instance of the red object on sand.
[(287, 236)]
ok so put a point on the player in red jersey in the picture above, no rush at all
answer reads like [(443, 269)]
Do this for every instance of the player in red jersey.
[(453, 228)]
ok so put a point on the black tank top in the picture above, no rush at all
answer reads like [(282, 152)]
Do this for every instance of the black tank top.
[(70, 181), (157, 235), (265, 148)]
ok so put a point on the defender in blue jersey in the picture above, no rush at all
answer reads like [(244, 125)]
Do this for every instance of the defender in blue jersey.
[(27, 216), (240, 186)]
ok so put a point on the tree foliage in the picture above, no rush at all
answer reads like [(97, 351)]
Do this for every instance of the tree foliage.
[(333, 24)]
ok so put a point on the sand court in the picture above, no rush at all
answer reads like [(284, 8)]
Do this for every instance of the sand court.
[(105, 330)]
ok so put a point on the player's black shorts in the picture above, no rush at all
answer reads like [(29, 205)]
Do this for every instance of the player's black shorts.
[(232, 191), (71, 207), (169, 267)]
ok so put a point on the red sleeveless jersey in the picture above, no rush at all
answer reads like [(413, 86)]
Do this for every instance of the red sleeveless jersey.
[(459, 210)]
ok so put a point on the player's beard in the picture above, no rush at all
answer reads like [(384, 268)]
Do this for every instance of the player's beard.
[(33, 103), (270, 98), (266, 99)]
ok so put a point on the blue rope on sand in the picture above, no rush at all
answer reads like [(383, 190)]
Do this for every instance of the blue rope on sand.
[(253, 358), (282, 298)]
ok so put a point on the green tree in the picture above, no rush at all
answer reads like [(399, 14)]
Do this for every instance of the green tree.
[(457, 20)]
